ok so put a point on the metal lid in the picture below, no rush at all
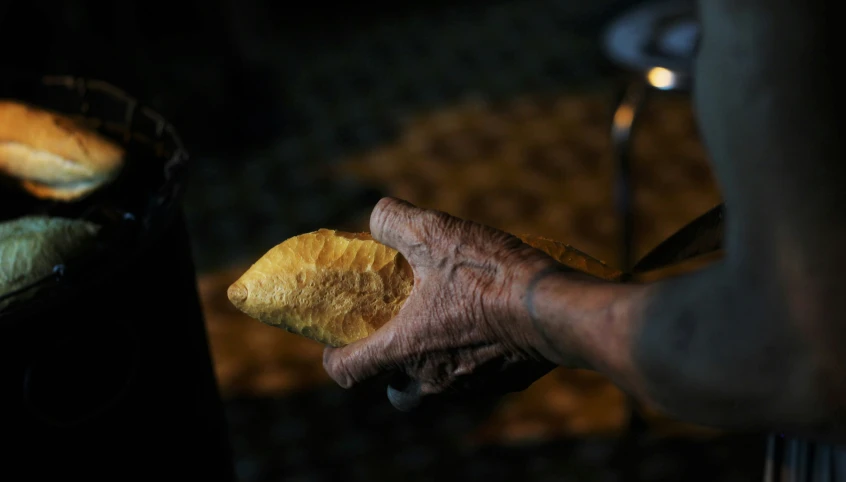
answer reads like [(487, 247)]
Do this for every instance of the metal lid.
[(657, 39)]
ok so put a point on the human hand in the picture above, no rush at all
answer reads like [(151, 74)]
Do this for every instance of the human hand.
[(465, 327)]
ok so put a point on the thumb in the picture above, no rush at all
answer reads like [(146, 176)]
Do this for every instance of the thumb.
[(362, 360), (396, 223)]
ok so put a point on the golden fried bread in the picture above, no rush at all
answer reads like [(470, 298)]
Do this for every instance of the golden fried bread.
[(336, 287), (53, 156)]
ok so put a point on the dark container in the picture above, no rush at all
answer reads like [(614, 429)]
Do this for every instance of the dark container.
[(106, 372)]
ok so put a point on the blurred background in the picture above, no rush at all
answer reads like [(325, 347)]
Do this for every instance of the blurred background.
[(300, 116)]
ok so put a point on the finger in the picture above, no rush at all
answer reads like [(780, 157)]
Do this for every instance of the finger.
[(360, 361), (394, 222)]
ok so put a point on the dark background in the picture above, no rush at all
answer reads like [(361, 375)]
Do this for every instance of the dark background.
[(222, 70), (305, 83), (266, 95)]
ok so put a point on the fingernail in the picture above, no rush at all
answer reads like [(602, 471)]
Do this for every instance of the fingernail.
[(404, 393), (402, 401)]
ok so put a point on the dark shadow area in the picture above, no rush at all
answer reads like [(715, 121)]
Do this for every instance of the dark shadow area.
[(267, 97), (266, 94), (330, 434), (228, 72)]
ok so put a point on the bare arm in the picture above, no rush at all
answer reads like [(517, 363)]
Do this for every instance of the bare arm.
[(755, 342), (759, 340)]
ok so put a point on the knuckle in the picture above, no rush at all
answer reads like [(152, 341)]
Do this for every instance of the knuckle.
[(436, 223), (509, 241), (430, 233), (419, 251)]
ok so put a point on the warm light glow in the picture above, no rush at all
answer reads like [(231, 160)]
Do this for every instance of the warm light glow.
[(661, 78), (623, 117)]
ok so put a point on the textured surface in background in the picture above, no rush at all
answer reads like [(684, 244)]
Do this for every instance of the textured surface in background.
[(358, 90)]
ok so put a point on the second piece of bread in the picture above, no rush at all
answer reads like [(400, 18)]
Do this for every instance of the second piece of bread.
[(31, 246), (53, 156)]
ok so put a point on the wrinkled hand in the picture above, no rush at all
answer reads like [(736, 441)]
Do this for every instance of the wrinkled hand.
[(465, 326)]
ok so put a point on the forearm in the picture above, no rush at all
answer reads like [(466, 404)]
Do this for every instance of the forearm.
[(732, 345), (755, 341), (687, 346)]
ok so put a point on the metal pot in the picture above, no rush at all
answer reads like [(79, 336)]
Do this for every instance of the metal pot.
[(106, 373)]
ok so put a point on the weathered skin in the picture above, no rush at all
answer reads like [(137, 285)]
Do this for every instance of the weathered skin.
[(754, 341), (337, 288)]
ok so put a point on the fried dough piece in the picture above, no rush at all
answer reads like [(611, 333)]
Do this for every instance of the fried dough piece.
[(31, 246), (336, 287), (52, 156)]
